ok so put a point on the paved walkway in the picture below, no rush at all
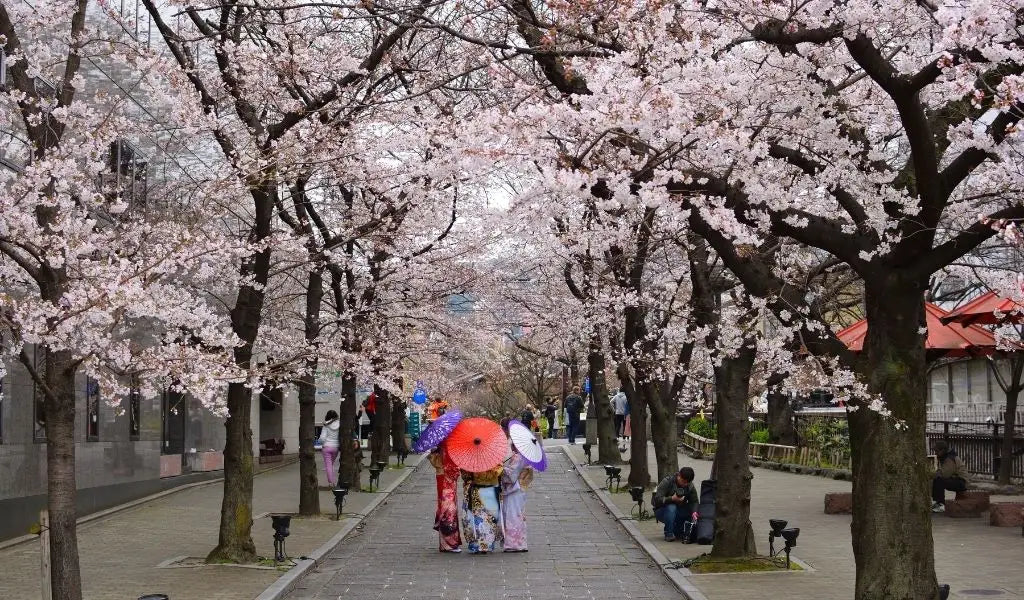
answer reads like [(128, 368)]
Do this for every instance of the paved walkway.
[(970, 555), (120, 553), (576, 551)]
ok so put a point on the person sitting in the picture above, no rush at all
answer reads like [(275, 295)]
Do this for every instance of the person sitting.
[(951, 475), (674, 501)]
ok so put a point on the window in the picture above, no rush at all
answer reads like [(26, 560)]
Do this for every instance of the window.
[(38, 396), (92, 409), (960, 384), (938, 387), (134, 407), (126, 177), (980, 394)]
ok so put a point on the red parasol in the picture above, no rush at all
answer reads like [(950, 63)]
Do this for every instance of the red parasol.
[(950, 340), (477, 444), (983, 310)]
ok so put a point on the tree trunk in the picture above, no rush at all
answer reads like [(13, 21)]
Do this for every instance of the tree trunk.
[(398, 424), (309, 494), (235, 539), (235, 543), (348, 434), (59, 408), (663, 430), (734, 535), (380, 446), (607, 445), (639, 474), (781, 429), (1010, 426), (891, 528)]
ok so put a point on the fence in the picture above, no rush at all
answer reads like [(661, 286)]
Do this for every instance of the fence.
[(979, 445), (773, 452)]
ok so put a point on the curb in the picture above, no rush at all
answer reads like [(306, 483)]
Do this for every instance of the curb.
[(133, 503), (677, 576), (286, 583)]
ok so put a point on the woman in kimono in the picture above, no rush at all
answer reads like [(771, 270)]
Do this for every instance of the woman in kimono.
[(446, 517), (513, 501), (481, 512)]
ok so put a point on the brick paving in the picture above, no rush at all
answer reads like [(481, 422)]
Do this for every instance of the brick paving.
[(577, 551), (976, 559), (120, 552)]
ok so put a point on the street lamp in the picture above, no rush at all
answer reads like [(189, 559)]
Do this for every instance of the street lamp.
[(339, 500), (639, 511), (375, 476), (614, 474), (281, 524)]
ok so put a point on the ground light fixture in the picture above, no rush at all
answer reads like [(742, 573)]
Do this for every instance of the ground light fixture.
[(382, 464), (777, 526), (375, 476), (586, 450), (639, 510), (403, 453), (790, 535), (281, 524), (943, 591), (155, 597), (614, 474), (339, 501)]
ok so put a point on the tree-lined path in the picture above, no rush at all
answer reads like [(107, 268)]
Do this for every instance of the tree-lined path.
[(577, 551)]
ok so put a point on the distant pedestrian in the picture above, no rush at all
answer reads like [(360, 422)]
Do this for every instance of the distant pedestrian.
[(526, 417), (549, 413), (951, 475), (573, 407), (620, 404), (675, 501), (446, 517), (365, 424), (329, 440)]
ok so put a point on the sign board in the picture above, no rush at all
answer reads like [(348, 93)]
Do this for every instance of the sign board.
[(586, 385), (419, 396)]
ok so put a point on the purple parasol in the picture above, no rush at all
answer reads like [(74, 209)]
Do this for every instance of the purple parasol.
[(527, 445), (437, 432)]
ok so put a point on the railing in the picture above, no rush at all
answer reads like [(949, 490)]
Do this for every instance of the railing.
[(772, 452), (979, 445)]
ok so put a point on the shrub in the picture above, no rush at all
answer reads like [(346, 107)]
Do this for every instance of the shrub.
[(760, 436), (702, 427)]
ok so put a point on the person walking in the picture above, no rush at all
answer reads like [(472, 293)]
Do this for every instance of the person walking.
[(573, 407), (446, 517), (329, 441), (619, 404), (481, 511), (549, 413), (516, 474)]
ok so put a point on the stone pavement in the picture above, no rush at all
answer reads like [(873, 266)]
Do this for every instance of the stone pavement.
[(976, 559), (120, 552), (576, 551)]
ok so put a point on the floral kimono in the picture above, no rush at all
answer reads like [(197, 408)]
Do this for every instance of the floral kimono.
[(481, 511), (513, 504), (446, 517)]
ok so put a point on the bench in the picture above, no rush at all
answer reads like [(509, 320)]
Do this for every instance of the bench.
[(839, 503), (1006, 514), (969, 503)]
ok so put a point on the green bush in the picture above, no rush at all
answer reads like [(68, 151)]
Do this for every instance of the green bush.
[(827, 436), (760, 436), (702, 427)]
